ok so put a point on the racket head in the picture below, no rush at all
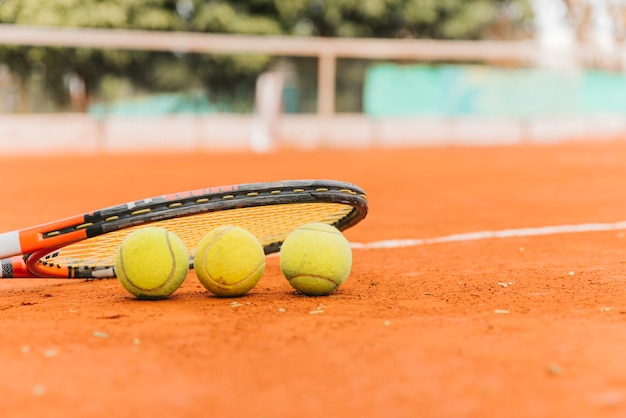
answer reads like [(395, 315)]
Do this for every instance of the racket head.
[(268, 210)]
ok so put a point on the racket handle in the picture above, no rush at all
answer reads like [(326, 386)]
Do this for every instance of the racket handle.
[(14, 268)]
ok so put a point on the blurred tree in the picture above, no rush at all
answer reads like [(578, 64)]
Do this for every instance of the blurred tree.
[(229, 75), (61, 65), (586, 19)]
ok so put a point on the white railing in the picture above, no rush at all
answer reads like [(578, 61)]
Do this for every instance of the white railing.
[(327, 50)]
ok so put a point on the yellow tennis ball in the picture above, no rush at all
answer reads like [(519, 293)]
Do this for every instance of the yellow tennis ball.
[(229, 261), (316, 259), (151, 263)]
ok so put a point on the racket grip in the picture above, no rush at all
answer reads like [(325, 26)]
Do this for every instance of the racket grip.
[(14, 268)]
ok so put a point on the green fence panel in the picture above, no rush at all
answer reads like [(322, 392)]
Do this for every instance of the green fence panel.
[(162, 104), (395, 90)]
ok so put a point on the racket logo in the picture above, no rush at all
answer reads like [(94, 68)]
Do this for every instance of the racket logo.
[(200, 192)]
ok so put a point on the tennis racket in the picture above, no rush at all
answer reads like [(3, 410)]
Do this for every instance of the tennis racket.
[(84, 246)]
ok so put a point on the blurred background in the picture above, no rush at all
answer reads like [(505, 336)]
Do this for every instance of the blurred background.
[(271, 74)]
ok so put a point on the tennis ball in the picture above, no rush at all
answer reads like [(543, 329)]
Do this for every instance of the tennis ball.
[(229, 261), (316, 259), (151, 263)]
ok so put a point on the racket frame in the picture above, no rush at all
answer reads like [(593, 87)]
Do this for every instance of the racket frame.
[(28, 246)]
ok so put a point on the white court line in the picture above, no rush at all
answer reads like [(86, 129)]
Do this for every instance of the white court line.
[(505, 233)]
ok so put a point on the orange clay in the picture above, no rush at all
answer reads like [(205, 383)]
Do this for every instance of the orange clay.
[(515, 327)]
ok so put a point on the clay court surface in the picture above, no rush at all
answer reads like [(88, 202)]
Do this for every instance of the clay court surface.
[(521, 326)]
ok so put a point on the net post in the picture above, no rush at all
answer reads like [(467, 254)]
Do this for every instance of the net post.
[(327, 69)]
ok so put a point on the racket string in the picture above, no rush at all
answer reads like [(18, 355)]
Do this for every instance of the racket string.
[(270, 224)]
